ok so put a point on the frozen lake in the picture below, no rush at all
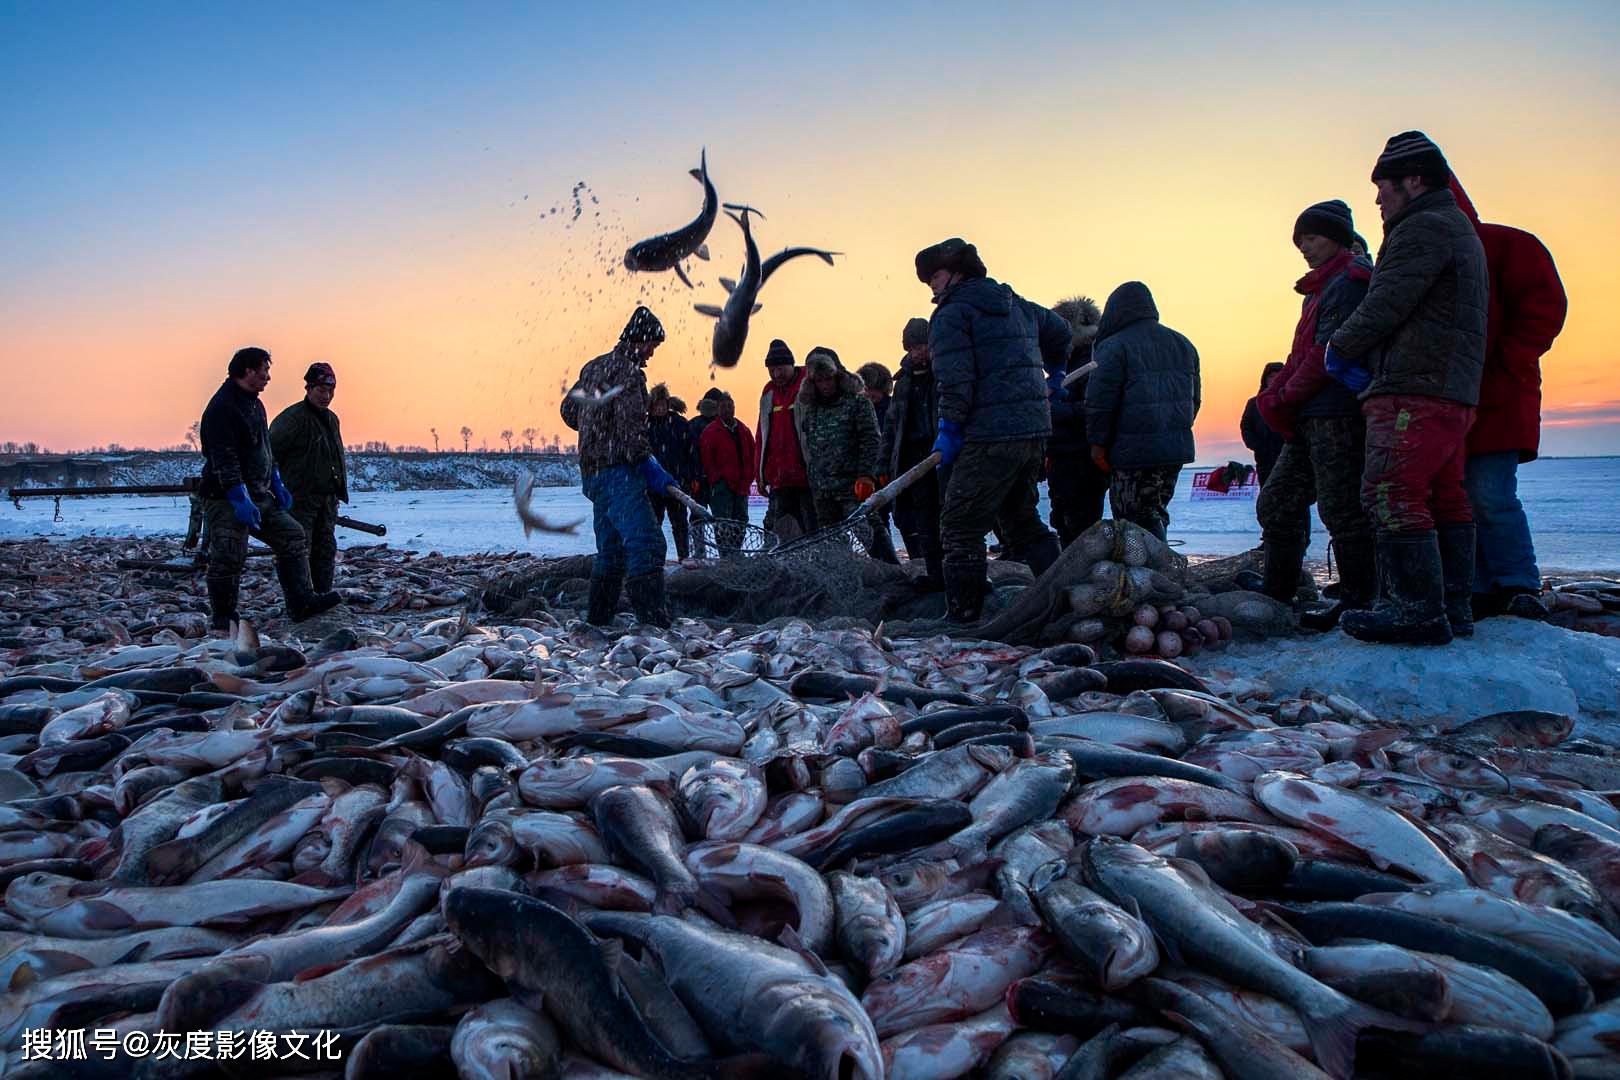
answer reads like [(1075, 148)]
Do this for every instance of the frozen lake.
[(1571, 502)]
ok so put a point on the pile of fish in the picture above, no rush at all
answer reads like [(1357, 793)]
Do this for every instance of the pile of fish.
[(535, 850)]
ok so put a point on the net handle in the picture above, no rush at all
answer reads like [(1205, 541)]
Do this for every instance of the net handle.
[(891, 491), (687, 501)]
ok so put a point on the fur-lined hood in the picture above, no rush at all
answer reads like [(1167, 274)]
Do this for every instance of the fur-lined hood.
[(848, 382), (708, 406), (1083, 316)]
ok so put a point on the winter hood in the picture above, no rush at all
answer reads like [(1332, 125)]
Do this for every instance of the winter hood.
[(1130, 303), (1083, 316)]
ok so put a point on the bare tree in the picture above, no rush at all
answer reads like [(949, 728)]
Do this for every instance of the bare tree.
[(507, 436), (528, 439), (466, 438), (194, 435), (435, 433)]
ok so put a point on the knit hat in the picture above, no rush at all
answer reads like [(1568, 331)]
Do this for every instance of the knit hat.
[(1357, 238), (821, 359), (915, 333), (876, 377), (1411, 153), (1330, 219), (956, 255), (714, 394), (320, 373), (778, 353), (643, 327)]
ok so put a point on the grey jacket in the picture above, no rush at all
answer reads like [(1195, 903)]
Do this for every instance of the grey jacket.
[(1145, 393), (1421, 327), (990, 347)]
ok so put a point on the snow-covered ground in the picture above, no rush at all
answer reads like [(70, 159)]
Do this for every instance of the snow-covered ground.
[(1571, 503)]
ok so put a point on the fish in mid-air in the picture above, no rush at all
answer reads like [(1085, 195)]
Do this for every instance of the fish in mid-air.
[(667, 251), (731, 331), (522, 490)]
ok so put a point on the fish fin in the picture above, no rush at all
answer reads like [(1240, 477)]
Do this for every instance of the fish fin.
[(702, 252), (728, 284), (59, 963), (611, 951), (171, 861), (743, 208), (680, 273), (757, 309), (696, 174), (707, 309), (1333, 1032), (716, 905), (789, 939), (317, 971)]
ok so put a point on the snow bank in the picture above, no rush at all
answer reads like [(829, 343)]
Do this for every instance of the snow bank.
[(1508, 664)]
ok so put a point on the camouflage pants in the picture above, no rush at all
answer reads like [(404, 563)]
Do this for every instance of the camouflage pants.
[(1143, 496), (991, 484), (318, 515), (228, 538), (1322, 464)]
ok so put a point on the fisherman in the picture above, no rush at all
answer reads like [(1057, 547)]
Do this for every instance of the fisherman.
[(1414, 350), (1321, 420), (1260, 437), (708, 408), (838, 430), (879, 382), (1527, 312), (990, 350), (242, 492), (782, 476), (671, 442), (308, 444), (1140, 406), (728, 456), (1074, 484), (908, 437), (607, 405)]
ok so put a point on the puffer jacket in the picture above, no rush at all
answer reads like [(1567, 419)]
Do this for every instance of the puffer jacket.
[(1421, 327), (1303, 387), (1145, 393), (1527, 312), (671, 441), (990, 350), (840, 437), (1068, 404), (235, 443), (912, 424), (612, 430)]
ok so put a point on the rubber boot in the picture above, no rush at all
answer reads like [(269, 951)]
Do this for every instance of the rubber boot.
[(646, 594), (1285, 556), (964, 593), (321, 572), (302, 599), (222, 594), (1457, 570), (1042, 555), (1357, 585), (604, 600), (1412, 609)]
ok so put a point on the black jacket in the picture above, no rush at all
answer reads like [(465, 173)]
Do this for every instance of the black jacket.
[(1142, 398), (235, 443), (990, 350), (308, 447), (1260, 438), (672, 444), (912, 423)]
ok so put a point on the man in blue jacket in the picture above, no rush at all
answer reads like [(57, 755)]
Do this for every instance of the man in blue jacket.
[(990, 350), (1140, 406)]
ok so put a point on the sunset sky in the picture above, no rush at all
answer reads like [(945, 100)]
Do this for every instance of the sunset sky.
[(374, 185)]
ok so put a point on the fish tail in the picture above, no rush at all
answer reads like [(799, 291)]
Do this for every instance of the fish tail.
[(742, 208), (1333, 1032)]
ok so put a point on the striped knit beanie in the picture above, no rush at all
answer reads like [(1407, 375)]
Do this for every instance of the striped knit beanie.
[(1330, 219), (778, 353), (1411, 153)]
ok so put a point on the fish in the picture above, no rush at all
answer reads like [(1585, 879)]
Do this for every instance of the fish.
[(870, 929), (522, 496), (1244, 1051), (955, 982), (501, 1039), (58, 905), (667, 251), (745, 872), (731, 325), (1110, 945)]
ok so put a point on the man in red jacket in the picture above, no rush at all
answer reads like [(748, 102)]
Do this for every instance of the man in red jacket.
[(727, 449), (783, 477), (1526, 313)]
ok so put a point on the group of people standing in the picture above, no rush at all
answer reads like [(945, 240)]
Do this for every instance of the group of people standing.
[(1410, 397)]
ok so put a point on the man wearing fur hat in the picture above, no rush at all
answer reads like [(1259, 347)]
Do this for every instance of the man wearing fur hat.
[(671, 442), (1414, 349), (1074, 484), (990, 349), (782, 477), (607, 405), (909, 430), (838, 430)]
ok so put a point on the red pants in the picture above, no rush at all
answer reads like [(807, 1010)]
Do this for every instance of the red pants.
[(1413, 476)]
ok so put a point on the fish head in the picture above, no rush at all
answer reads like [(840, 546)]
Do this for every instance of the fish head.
[(491, 843), (35, 895), (497, 925), (911, 883), (823, 1034), (1457, 768)]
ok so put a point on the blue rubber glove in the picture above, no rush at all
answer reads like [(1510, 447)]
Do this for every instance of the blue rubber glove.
[(655, 474), (242, 506), (279, 490), (949, 443), (1347, 371)]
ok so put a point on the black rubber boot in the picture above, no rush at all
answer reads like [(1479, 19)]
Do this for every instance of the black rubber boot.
[(646, 594), (302, 599), (1457, 570), (964, 593), (933, 580), (1357, 586), (1412, 607), (222, 594), (1284, 560), (1041, 557), (321, 573), (604, 600)]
